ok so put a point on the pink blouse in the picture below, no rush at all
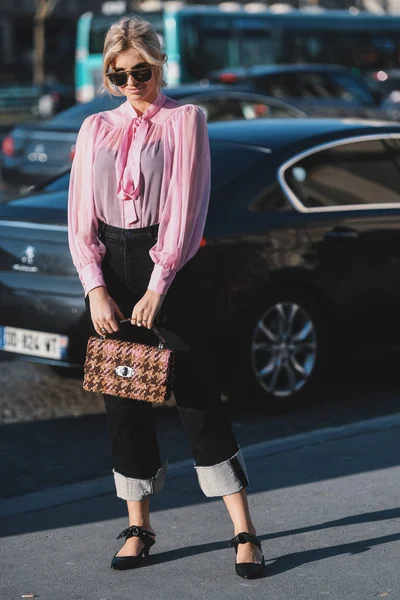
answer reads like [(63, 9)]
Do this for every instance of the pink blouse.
[(133, 172)]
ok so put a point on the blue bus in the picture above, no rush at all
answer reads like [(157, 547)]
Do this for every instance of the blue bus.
[(199, 39)]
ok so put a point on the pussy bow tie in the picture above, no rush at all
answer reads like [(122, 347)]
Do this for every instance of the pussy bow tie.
[(128, 167)]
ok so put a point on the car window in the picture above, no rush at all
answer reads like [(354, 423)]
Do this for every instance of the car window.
[(278, 111), (280, 86), (225, 108), (354, 88), (317, 86), (349, 174), (270, 199), (298, 85)]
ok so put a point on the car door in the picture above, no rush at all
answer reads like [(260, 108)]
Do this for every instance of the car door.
[(349, 193)]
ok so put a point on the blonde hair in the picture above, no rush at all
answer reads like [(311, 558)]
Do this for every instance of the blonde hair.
[(136, 33)]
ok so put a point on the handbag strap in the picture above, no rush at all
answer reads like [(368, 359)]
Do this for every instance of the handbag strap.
[(161, 341)]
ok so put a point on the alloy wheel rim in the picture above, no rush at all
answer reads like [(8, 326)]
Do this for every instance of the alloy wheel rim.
[(284, 349)]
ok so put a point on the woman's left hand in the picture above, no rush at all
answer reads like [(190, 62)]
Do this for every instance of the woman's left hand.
[(145, 311)]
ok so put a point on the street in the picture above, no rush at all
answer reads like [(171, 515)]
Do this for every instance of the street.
[(53, 433), (326, 512)]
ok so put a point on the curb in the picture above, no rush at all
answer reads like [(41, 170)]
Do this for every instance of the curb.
[(101, 486)]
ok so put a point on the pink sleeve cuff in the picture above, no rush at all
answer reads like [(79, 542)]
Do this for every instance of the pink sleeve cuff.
[(161, 279), (91, 276)]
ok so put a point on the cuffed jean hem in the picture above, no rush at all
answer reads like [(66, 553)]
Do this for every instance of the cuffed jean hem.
[(227, 477), (129, 488)]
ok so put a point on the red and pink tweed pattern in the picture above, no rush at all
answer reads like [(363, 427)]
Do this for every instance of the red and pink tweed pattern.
[(150, 368)]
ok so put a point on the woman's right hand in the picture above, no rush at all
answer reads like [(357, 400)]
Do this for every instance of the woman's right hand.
[(104, 310)]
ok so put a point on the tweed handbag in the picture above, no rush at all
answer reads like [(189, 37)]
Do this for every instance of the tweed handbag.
[(129, 369)]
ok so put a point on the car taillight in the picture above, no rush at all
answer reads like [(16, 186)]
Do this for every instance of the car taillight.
[(203, 243), (7, 147), (228, 77), (72, 153)]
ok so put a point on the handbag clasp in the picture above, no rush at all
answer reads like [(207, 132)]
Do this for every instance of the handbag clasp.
[(124, 371)]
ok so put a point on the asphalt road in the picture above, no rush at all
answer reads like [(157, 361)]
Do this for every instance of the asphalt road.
[(326, 513), (53, 433)]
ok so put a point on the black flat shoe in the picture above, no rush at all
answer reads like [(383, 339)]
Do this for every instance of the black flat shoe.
[(130, 562), (247, 570)]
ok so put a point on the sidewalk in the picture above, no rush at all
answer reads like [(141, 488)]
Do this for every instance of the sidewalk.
[(326, 509)]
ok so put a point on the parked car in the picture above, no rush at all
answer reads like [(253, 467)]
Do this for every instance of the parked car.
[(32, 153), (320, 90), (301, 255)]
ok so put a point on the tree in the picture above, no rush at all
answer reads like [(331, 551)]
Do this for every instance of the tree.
[(44, 8)]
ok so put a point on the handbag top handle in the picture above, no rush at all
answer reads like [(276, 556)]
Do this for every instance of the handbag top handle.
[(161, 341)]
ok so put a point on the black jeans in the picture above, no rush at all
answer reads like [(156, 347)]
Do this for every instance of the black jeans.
[(183, 320)]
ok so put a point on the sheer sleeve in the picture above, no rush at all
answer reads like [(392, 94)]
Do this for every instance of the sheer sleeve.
[(86, 249), (184, 213)]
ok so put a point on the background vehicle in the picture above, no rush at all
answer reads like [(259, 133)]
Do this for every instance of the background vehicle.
[(320, 90), (32, 153), (301, 257), (194, 37), (200, 38)]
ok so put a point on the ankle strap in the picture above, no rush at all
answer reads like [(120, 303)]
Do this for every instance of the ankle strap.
[(136, 531), (243, 538)]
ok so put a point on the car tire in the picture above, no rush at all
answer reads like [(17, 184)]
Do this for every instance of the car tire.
[(277, 369)]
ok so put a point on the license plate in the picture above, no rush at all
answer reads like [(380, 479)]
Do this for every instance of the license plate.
[(34, 343)]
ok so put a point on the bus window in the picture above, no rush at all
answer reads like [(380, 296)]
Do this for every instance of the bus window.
[(206, 44), (367, 50), (306, 47), (97, 35), (101, 24), (257, 48), (201, 53), (216, 42)]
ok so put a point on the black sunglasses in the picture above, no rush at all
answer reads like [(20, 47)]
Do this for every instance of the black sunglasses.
[(139, 75)]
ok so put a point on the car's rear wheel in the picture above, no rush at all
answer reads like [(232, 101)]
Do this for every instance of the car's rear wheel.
[(283, 352)]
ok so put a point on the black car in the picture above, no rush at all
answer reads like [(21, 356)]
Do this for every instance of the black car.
[(320, 90), (34, 152), (301, 253)]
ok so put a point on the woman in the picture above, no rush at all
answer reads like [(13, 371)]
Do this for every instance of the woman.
[(138, 201)]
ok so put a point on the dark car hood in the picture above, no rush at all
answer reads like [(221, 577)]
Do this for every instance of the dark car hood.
[(40, 207), (68, 126)]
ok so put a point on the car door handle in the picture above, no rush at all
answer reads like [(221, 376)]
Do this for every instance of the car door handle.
[(341, 235)]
